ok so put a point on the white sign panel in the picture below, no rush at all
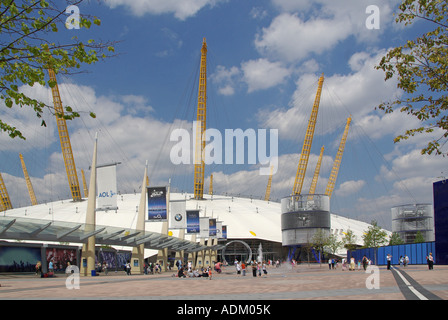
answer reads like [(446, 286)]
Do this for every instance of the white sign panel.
[(178, 215), (107, 187), (204, 225)]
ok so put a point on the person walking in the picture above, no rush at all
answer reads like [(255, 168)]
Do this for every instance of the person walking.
[(209, 270), (51, 268), (389, 258), (238, 268), (243, 268), (128, 268), (352, 264), (365, 262), (430, 260), (264, 268)]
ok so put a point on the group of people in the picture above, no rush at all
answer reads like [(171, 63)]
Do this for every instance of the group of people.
[(404, 261), (351, 265), (185, 272), (259, 268)]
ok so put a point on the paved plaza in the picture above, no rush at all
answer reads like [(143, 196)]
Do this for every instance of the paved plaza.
[(303, 282)]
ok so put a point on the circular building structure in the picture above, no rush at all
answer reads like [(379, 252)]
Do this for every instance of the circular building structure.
[(303, 216), (410, 219)]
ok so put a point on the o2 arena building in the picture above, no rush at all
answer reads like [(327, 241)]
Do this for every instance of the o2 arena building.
[(254, 227), (87, 232)]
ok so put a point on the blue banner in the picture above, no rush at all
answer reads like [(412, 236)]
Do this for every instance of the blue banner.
[(157, 204), (192, 221)]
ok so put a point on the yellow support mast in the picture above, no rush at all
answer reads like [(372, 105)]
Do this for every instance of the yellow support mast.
[(199, 164), (337, 161), (267, 196), (316, 173), (210, 190), (5, 202), (66, 146), (28, 182), (84, 184), (306, 149)]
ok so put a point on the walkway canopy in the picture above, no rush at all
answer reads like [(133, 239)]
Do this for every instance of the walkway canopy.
[(16, 228)]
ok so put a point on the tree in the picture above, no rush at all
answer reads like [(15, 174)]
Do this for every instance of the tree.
[(421, 68), (419, 237), (333, 244), (28, 29), (319, 241), (395, 239), (349, 240), (374, 237)]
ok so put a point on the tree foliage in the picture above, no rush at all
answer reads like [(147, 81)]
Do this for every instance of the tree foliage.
[(332, 244), (349, 240), (395, 239), (421, 68), (28, 48), (419, 238), (375, 236)]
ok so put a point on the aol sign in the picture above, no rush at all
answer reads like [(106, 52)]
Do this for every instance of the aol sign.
[(106, 194)]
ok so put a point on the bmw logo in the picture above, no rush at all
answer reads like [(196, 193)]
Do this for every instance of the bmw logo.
[(178, 217)]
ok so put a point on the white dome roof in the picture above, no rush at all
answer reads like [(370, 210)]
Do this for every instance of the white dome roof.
[(245, 218)]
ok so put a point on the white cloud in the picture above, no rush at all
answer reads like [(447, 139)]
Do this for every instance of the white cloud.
[(262, 74), (181, 9), (293, 5), (356, 93), (349, 187), (292, 39), (226, 79), (258, 13), (414, 164), (257, 74)]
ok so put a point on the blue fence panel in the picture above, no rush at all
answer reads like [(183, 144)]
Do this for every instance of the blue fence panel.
[(401, 253), (414, 255), (408, 251), (416, 252), (381, 253), (395, 254), (420, 250)]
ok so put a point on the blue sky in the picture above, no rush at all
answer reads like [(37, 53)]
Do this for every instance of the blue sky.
[(264, 60)]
